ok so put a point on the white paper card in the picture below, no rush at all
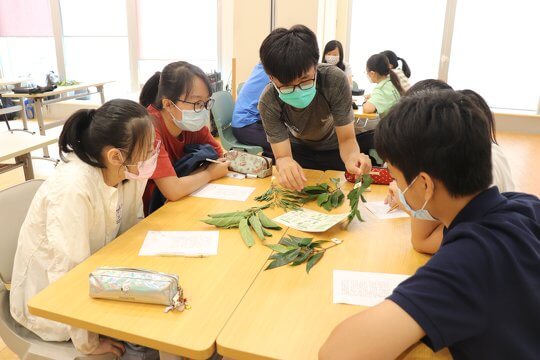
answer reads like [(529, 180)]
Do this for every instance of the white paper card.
[(364, 288), (309, 220), (380, 210), (224, 192), (180, 243)]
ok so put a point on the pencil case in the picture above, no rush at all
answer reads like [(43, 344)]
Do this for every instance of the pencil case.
[(137, 285), (246, 163)]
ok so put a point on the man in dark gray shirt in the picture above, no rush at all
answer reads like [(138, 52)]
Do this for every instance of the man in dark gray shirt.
[(306, 110)]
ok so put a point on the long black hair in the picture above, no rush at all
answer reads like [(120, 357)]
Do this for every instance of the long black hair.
[(332, 45), (393, 60), (119, 123), (175, 80), (379, 64)]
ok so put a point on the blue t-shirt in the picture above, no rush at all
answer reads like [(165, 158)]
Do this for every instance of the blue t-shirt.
[(245, 110), (479, 294)]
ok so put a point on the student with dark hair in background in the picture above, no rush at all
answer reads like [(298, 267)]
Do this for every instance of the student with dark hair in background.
[(333, 55), (307, 110), (403, 72), (428, 85), (178, 98), (388, 89), (479, 294)]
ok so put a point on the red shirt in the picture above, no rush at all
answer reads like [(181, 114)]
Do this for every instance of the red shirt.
[(172, 149)]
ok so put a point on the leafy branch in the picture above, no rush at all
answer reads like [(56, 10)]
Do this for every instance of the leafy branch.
[(296, 250), (283, 198), (356, 195), (328, 197), (251, 219)]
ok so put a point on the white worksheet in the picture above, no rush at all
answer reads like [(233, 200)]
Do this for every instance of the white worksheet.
[(309, 220), (380, 210), (180, 243), (224, 192), (364, 288)]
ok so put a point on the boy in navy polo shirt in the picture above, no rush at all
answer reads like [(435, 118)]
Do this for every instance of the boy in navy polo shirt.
[(479, 295)]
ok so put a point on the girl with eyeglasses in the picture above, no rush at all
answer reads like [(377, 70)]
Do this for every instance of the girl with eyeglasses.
[(178, 98)]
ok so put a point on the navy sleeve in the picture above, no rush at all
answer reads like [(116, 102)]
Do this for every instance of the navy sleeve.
[(449, 296)]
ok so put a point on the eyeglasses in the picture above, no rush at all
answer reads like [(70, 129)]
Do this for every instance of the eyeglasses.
[(200, 105), (289, 89)]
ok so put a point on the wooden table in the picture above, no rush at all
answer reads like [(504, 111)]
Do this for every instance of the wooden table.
[(62, 93), (359, 114), (19, 146), (288, 314), (214, 285)]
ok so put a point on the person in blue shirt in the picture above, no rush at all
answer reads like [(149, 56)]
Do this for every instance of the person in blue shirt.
[(479, 295), (246, 120)]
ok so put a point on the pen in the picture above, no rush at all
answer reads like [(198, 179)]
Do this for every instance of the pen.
[(213, 161), (392, 208)]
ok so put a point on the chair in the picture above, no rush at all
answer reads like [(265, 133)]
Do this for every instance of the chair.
[(14, 204), (239, 88), (355, 86), (222, 112)]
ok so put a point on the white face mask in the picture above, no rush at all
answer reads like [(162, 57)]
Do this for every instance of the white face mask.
[(191, 120), (331, 59), (422, 213)]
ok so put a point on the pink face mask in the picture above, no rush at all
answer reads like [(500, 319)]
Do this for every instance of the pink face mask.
[(145, 168)]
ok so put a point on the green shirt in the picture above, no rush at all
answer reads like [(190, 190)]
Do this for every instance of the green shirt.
[(384, 96)]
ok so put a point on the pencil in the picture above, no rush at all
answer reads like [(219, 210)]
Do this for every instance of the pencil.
[(392, 208)]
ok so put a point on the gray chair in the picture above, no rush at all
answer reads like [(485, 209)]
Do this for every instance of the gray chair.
[(239, 88), (222, 112), (14, 204)]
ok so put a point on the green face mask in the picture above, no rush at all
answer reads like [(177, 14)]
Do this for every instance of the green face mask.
[(299, 98)]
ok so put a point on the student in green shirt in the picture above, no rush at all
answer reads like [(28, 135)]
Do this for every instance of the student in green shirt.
[(388, 89)]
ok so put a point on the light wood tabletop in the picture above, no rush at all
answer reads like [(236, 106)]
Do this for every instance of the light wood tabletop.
[(214, 285), (16, 81), (59, 90), (16, 144), (359, 114), (288, 314)]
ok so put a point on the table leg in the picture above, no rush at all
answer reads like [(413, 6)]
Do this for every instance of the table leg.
[(24, 118), (26, 159), (38, 107), (101, 94)]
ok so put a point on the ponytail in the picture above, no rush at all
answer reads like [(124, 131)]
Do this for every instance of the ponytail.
[(395, 81), (72, 136), (122, 124), (149, 91), (405, 67)]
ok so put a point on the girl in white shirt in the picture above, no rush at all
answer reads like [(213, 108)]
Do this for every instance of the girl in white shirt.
[(94, 195), (403, 72)]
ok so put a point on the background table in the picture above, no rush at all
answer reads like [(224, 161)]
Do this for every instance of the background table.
[(214, 285), (19, 146), (288, 314), (59, 94)]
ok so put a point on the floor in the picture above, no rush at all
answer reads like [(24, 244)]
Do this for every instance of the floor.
[(520, 149)]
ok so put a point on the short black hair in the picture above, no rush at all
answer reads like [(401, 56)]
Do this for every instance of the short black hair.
[(483, 105), (289, 54), (428, 85), (442, 133)]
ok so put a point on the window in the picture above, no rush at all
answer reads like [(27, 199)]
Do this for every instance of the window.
[(96, 43), (495, 51), (26, 51), (413, 29), (171, 30)]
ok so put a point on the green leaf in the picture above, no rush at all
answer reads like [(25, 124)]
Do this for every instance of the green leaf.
[(341, 198), (303, 257), (336, 181), (281, 248), (245, 232), (314, 259), (298, 240), (318, 243), (267, 222), (283, 259), (232, 221), (229, 214), (334, 198), (266, 232), (256, 225), (322, 198)]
